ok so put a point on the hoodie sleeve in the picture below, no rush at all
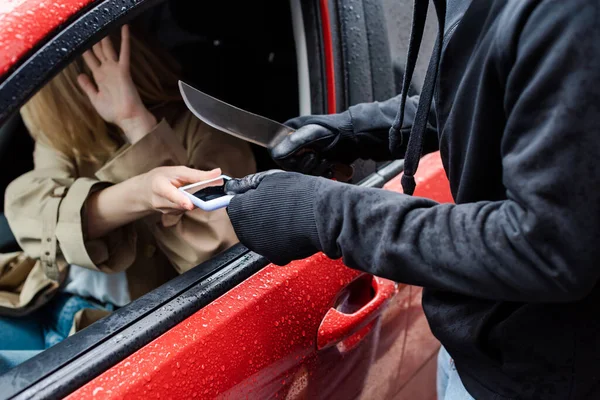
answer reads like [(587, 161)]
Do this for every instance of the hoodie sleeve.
[(538, 245)]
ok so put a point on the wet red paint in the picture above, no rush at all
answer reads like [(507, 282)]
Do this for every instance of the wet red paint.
[(24, 24), (260, 339), (261, 331), (337, 325)]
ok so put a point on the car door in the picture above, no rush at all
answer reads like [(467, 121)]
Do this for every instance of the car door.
[(235, 326)]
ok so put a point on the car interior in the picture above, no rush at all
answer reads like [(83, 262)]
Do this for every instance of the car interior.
[(247, 59)]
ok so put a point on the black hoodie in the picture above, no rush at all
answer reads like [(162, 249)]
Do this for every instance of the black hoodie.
[(511, 271)]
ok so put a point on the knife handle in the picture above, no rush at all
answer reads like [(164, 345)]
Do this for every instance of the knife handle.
[(340, 172), (327, 169)]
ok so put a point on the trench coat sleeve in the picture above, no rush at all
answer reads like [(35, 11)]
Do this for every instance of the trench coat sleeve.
[(44, 210), (195, 236)]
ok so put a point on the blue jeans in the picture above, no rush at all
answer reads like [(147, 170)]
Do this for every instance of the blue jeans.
[(449, 385), (24, 337)]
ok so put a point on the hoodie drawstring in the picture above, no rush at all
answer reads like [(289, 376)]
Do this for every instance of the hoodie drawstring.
[(415, 140)]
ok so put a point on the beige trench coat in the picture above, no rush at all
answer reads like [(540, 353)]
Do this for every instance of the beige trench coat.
[(44, 210)]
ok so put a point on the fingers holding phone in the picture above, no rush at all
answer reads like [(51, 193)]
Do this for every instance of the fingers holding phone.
[(209, 195), (161, 187)]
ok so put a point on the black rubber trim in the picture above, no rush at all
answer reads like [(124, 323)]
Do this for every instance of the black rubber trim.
[(62, 47), (67, 366), (311, 16), (363, 55), (380, 59), (383, 175), (355, 47)]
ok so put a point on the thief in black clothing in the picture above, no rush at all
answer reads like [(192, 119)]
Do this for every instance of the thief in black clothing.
[(511, 271)]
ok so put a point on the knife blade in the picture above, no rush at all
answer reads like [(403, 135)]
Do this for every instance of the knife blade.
[(233, 120), (246, 125)]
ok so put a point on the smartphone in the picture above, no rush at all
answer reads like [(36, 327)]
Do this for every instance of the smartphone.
[(208, 195)]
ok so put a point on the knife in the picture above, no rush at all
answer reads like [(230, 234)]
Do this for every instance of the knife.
[(245, 125)]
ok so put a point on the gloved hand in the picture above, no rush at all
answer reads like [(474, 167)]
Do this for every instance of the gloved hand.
[(273, 215), (311, 150), (323, 140)]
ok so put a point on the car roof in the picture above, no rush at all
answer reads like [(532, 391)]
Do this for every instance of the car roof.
[(25, 23)]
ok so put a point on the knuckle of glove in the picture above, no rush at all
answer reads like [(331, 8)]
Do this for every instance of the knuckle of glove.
[(308, 137), (235, 186), (250, 182)]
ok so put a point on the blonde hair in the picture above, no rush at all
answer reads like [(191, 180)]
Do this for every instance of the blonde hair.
[(61, 115)]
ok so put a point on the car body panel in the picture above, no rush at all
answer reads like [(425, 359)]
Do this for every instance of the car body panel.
[(250, 341), (24, 23)]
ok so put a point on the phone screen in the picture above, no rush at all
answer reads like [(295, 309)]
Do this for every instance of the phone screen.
[(210, 191)]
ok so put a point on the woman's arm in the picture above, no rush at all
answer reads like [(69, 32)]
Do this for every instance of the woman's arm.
[(52, 203), (46, 205), (140, 196), (113, 207)]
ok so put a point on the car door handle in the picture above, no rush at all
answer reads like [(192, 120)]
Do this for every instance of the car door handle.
[(338, 327)]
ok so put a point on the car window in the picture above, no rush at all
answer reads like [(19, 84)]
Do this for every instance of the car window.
[(101, 124)]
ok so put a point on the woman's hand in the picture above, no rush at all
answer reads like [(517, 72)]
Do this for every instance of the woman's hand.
[(112, 91), (159, 187)]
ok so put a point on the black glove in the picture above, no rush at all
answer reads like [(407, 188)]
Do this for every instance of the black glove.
[(272, 214), (249, 182), (321, 140)]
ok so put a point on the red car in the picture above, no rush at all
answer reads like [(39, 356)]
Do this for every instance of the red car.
[(234, 327)]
